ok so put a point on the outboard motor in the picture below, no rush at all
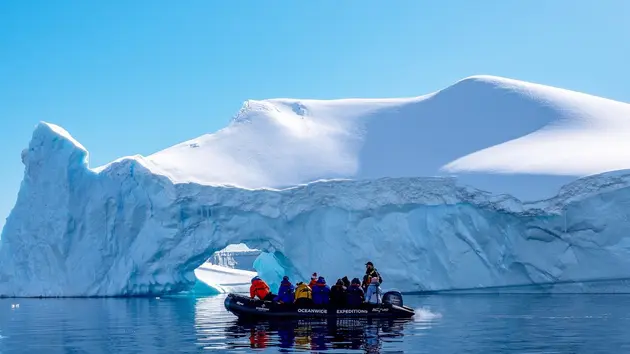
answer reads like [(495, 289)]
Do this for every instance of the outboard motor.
[(393, 297)]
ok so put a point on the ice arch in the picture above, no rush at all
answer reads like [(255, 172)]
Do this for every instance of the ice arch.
[(120, 231), (231, 269), (127, 231)]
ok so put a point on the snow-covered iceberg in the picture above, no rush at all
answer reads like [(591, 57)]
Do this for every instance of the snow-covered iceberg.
[(143, 225)]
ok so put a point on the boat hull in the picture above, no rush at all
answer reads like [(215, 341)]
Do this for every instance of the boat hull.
[(244, 307)]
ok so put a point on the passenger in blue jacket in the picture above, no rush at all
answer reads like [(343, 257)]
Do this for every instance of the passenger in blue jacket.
[(321, 292), (355, 294), (286, 291)]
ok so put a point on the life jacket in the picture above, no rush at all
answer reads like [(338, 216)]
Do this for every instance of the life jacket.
[(258, 289), (303, 292), (312, 284), (367, 279)]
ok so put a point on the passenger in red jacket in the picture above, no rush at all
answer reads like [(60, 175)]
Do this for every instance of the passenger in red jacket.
[(260, 289)]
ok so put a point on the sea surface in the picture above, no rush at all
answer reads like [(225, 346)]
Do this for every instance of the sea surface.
[(443, 324)]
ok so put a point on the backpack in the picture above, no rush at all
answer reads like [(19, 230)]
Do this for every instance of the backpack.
[(303, 291)]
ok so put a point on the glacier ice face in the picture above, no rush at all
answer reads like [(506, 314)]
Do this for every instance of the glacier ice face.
[(125, 230)]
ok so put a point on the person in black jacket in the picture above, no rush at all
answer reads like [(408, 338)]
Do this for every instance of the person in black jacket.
[(370, 272), (355, 295), (346, 281), (338, 294)]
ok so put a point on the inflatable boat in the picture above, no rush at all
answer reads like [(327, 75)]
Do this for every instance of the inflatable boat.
[(244, 307)]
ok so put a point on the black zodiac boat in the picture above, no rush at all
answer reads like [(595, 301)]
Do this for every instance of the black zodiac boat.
[(244, 307)]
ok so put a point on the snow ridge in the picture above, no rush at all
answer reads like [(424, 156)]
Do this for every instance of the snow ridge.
[(483, 129)]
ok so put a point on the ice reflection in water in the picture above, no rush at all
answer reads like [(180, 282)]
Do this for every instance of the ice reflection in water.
[(334, 334)]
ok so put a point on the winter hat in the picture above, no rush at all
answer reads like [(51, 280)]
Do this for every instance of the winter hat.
[(356, 281), (314, 276), (321, 280), (339, 282), (285, 279), (255, 278)]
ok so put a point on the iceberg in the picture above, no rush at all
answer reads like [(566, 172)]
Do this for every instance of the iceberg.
[(238, 258), (305, 182), (221, 280)]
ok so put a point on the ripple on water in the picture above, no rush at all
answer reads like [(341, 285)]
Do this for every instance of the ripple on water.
[(443, 324)]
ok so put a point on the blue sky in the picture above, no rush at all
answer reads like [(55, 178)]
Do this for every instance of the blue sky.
[(135, 77)]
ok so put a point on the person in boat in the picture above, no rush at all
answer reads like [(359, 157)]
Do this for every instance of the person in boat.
[(286, 292), (355, 294), (321, 292), (374, 293), (303, 294), (313, 281), (370, 272), (260, 289), (346, 282), (338, 294)]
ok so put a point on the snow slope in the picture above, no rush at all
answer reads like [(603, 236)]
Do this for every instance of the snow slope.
[(143, 225), (518, 138)]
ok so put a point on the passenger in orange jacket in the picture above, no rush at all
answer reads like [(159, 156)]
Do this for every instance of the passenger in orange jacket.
[(260, 289)]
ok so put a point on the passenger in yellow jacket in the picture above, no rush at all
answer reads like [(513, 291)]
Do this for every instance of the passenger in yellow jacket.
[(303, 294)]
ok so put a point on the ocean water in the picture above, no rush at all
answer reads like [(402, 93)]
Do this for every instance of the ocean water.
[(443, 324)]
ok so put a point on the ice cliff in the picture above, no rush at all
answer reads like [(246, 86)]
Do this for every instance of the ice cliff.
[(142, 226)]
